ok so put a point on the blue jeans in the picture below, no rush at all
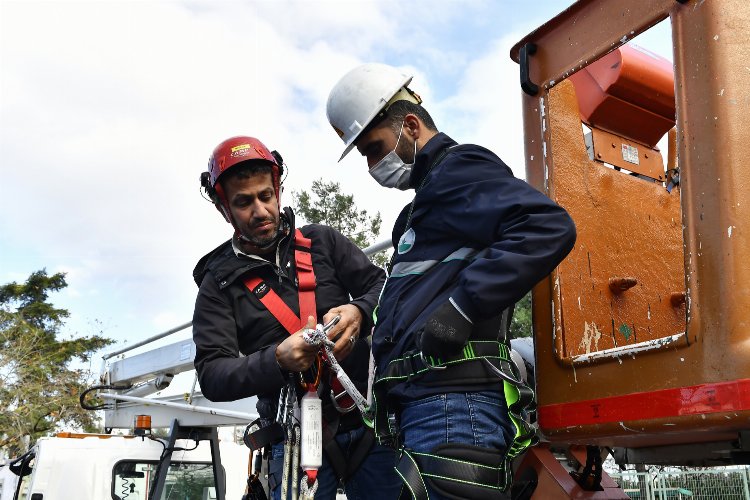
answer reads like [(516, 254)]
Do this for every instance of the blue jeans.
[(375, 479), (473, 418)]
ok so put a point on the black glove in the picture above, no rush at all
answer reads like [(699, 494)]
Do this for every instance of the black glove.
[(444, 333)]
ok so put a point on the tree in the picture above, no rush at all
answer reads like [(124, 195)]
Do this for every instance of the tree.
[(327, 205), (520, 325), (39, 389)]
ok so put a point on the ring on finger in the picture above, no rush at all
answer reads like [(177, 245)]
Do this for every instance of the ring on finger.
[(352, 340)]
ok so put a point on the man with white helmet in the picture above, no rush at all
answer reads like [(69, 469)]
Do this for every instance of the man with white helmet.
[(258, 292), (472, 242)]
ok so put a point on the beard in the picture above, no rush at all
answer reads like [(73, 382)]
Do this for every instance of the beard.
[(264, 239), (405, 150)]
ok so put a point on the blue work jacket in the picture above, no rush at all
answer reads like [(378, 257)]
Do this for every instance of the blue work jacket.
[(475, 234)]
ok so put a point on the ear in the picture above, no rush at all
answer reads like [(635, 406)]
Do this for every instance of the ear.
[(412, 126), (223, 208)]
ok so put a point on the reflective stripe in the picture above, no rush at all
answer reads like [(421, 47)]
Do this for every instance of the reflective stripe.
[(453, 303), (421, 267)]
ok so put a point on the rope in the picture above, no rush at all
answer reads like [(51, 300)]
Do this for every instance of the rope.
[(307, 492), (287, 462), (295, 461)]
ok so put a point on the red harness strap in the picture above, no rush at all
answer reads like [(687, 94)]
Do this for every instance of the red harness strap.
[(305, 278), (306, 284)]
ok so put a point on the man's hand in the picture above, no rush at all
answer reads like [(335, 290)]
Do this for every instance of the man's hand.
[(294, 354), (444, 333), (345, 330)]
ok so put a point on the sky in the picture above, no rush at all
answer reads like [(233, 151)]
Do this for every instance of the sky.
[(109, 110)]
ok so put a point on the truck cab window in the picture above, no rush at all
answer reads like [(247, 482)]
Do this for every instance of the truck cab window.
[(190, 481)]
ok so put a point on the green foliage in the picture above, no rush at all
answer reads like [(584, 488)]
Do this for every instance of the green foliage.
[(520, 326), (327, 205), (38, 388), (31, 300)]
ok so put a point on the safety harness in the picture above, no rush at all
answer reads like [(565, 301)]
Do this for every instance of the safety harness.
[(463, 466), (257, 436)]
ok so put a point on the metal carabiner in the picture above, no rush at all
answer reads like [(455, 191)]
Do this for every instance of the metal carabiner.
[(335, 400), (331, 323)]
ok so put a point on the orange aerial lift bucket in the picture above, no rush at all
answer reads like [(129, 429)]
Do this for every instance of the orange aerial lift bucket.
[(642, 335)]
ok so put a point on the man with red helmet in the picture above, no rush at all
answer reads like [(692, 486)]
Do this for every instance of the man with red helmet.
[(260, 289)]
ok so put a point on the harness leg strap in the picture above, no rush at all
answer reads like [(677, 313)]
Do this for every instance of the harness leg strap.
[(455, 471), (410, 474), (346, 465)]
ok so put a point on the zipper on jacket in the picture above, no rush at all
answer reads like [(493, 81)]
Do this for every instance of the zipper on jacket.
[(277, 267)]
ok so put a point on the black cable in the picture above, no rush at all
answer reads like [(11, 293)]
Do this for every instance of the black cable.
[(125, 487), (154, 438), (590, 477), (103, 406), (25, 459), (163, 457)]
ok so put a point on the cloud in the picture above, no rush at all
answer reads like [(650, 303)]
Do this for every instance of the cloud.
[(486, 107), (110, 110)]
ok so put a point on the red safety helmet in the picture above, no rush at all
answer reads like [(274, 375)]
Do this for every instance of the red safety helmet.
[(231, 152)]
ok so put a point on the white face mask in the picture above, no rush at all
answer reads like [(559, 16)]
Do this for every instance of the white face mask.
[(391, 171)]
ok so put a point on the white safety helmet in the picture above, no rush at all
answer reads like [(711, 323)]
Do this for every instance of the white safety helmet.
[(361, 95)]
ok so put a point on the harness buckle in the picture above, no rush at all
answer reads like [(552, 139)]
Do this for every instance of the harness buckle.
[(414, 367), (429, 365), (391, 440)]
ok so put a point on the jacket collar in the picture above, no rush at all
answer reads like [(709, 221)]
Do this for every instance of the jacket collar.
[(427, 156)]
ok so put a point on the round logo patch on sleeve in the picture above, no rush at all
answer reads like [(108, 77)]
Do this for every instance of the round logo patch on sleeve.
[(407, 241)]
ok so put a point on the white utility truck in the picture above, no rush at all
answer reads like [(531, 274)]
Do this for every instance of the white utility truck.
[(188, 463)]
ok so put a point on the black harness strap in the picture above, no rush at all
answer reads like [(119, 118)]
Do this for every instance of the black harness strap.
[(458, 470), (408, 469), (345, 466), (262, 436), (337, 458), (454, 471), (526, 433), (364, 445)]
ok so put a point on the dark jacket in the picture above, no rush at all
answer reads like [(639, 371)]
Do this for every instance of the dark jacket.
[(474, 233), (236, 336)]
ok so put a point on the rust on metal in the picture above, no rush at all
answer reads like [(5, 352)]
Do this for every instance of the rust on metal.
[(677, 299), (672, 149)]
